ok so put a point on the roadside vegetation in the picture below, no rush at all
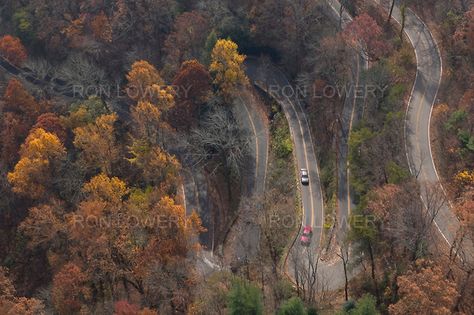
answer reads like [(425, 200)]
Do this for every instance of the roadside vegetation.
[(106, 105)]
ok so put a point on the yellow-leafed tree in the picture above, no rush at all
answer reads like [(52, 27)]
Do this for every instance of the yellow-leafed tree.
[(98, 143), (102, 187), (32, 175), (226, 67)]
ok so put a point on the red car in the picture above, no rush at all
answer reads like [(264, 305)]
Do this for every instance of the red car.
[(306, 236)]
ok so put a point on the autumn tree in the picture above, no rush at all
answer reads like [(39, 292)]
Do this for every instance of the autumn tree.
[(19, 100), (293, 34), (51, 123), (12, 305), (104, 188), (43, 225), (157, 166), (364, 33), (189, 34), (147, 121), (70, 292), (101, 27), (14, 130), (461, 262), (227, 67), (13, 50), (193, 84), (125, 308), (141, 79), (464, 35), (97, 143), (85, 112), (20, 110), (33, 174), (7, 290), (424, 290)]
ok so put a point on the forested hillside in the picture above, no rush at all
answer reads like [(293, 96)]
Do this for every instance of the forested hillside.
[(153, 157)]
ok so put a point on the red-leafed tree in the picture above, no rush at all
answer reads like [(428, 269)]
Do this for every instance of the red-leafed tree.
[(20, 112), (125, 308), (70, 291), (364, 33), (193, 83), (13, 50), (50, 122), (18, 99), (424, 290), (12, 133)]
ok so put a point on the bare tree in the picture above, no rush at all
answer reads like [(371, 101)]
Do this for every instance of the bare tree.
[(39, 67), (412, 218), (221, 140), (344, 255), (78, 72), (304, 264)]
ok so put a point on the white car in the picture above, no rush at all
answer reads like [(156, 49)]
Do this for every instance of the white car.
[(304, 177)]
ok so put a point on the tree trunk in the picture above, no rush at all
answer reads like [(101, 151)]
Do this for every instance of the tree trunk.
[(403, 12), (341, 10), (462, 291), (346, 283), (391, 12), (372, 267)]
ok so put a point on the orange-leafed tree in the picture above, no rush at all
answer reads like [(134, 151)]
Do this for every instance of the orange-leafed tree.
[(461, 248), (125, 308), (11, 305), (97, 142), (70, 292), (13, 50), (193, 83), (101, 27), (44, 224), (74, 31), (424, 290), (32, 175), (141, 78), (27, 306), (7, 290), (364, 33)]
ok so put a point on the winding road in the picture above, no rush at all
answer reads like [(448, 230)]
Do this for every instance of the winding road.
[(419, 112), (270, 79)]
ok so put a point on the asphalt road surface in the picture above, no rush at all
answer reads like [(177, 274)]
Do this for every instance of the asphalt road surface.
[(348, 119), (418, 116), (273, 81)]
